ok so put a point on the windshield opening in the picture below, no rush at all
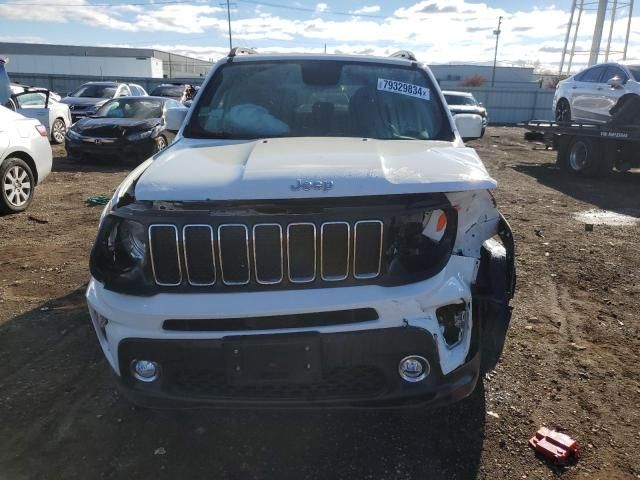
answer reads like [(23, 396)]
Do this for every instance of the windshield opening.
[(169, 91), (95, 91), (131, 108), (460, 100), (319, 98)]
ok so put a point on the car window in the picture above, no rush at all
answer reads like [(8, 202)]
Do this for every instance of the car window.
[(592, 75), (460, 100), (262, 99), (124, 107), (613, 71), (168, 91), (172, 104), (30, 100), (635, 71), (95, 91), (138, 90)]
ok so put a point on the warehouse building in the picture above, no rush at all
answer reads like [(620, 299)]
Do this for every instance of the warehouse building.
[(452, 75), (101, 62)]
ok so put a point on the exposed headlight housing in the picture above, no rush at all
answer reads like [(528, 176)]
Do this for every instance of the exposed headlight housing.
[(133, 137), (120, 248)]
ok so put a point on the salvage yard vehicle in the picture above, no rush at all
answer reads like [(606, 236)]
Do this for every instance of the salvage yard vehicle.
[(40, 103), (87, 99), (589, 96), (464, 102), (25, 159), (318, 234), (132, 128)]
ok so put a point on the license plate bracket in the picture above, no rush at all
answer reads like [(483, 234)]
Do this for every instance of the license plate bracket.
[(272, 360)]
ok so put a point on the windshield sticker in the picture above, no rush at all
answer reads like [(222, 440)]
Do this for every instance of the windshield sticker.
[(404, 88)]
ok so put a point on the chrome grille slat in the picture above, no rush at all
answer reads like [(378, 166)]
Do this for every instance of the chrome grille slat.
[(185, 243), (256, 260), (155, 268), (372, 273), (334, 278), (304, 279), (245, 256)]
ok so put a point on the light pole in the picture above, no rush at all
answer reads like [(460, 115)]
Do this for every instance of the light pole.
[(496, 32)]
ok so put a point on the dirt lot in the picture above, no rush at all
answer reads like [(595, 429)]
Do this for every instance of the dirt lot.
[(571, 359)]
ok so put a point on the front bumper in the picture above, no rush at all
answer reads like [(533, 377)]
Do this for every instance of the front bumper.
[(122, 148), (358, 362)]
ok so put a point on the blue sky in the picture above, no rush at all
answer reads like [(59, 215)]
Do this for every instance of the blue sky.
[(437, 30)]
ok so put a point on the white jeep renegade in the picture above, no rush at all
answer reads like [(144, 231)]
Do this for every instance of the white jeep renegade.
[(318, 234)]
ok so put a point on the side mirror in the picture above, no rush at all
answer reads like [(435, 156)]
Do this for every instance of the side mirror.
[(469, 125), (616, 82), (175, 117)]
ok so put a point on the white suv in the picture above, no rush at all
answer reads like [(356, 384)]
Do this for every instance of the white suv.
[(592, 93), (318, 234)]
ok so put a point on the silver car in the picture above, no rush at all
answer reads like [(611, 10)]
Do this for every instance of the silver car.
[(589, 95)]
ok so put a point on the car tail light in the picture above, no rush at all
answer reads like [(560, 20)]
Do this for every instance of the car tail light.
[(41, 130)]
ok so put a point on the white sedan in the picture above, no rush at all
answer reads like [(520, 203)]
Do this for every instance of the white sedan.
[(25, 159), (592, 93), (41, 104)]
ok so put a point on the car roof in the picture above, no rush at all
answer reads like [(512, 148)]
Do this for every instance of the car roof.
[(453, 92), (256, 57), (141, 97)]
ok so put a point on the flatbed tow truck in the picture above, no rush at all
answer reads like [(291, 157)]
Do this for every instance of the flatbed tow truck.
[(590, 149)]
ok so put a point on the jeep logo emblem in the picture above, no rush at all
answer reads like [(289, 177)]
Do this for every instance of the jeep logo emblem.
[(307, 185)]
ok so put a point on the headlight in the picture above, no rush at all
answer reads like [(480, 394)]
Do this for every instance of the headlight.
[(140, 135), (120, 248), (72, 134)]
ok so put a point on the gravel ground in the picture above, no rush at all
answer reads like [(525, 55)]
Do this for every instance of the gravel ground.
[(571, 359)]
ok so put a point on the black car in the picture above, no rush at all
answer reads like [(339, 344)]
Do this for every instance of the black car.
[(462, 102), (169, 90), (126, 128), (87, 99)]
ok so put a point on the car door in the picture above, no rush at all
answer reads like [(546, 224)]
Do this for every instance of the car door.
[(585, 93), (611, 95), (33, 105)]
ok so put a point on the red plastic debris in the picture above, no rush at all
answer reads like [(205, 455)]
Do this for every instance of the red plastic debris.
[(555, 446)]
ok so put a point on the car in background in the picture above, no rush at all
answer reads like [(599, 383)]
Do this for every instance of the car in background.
[(25, 159), (169, 90), (463, 102), (590, 94), (87, 99), (125, 128), (41, 104)]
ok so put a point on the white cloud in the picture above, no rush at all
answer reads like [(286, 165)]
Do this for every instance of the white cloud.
[(321, 7), (367, 9)]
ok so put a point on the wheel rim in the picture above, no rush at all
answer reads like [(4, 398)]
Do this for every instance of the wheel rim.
[(59, 130), (161, 143), (17, 186), (562, 112), (578, 156)]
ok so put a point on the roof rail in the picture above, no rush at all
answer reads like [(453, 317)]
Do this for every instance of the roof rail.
[(404, 54), (241, 51)]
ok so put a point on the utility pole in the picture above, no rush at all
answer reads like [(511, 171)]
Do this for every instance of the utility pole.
[(597, 33), (496, 32)]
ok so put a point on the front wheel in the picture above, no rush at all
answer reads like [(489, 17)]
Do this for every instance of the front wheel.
[(17, 186), (58, 131), (563, 111)]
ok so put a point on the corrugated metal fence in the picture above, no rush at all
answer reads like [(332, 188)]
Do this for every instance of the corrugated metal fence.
[(505, 105)]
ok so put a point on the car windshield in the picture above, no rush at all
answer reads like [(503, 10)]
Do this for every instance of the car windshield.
[(167, 91), (321, 98), (131, 108), (460, 100), (635, 71), (95, 91)]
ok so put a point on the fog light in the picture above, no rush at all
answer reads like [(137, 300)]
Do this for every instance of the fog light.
[(145, 370), (413, 368)]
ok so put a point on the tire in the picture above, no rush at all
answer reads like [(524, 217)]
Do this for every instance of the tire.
[(58, 131), (584, 157), (16, 185), (161, 144), (563, 111)]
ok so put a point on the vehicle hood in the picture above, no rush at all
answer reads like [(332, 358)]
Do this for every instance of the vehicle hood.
[(468, 109), (197, 170), (84, 101), (115, 126)]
